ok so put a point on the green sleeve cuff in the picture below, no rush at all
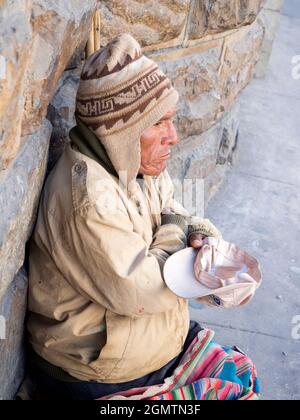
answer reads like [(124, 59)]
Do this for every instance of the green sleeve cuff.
[(206, 228), (175, 219)]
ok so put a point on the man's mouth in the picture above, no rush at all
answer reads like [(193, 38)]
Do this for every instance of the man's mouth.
[(166, 156)]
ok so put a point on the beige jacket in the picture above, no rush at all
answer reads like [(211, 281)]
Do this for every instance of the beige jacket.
[(98, 304)]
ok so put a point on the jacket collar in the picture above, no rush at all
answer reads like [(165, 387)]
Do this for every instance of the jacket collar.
[(89, 145)]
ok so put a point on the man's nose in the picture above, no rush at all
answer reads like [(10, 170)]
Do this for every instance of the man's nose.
[(171, 135)]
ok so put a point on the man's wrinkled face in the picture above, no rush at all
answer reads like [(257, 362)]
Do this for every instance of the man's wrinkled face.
[(156, 143)]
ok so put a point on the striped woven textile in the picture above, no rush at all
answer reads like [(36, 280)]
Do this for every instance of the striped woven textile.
[(207, 371)]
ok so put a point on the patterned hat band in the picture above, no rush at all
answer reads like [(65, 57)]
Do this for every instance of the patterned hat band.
[(107, 109)]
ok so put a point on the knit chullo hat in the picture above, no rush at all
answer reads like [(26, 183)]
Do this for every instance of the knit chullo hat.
[(121, 93)]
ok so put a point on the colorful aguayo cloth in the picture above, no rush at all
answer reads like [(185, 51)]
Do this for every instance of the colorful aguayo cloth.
[(207, 371)]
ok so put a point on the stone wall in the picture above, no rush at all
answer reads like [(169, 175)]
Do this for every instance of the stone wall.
[(208, 49), (38, 40)]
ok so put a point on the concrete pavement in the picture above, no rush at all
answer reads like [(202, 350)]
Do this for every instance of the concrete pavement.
[(258, 207)]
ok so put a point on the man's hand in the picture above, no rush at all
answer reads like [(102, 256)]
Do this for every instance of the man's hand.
[(196, 240)]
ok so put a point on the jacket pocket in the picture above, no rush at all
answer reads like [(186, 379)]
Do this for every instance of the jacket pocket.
[(118, 330)]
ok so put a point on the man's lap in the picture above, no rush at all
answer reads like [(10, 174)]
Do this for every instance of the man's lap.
[(89, 390)]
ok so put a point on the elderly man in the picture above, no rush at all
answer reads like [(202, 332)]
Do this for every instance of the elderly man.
[(101, 318)]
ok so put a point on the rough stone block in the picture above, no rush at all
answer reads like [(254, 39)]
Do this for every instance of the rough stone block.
[(151, 22), (20, 186), (37, 41), (12, 314), (15, 42), (59, 27), (216, 16)]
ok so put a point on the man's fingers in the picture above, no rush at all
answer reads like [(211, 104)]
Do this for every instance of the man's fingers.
[(196, 240), (196, 244)]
